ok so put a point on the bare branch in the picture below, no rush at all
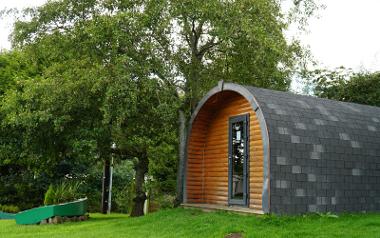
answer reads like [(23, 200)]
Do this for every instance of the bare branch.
[(199, 29), (194, 38), (208, 46)]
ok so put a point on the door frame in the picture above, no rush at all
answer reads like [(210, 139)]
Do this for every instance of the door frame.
[(245, 201)]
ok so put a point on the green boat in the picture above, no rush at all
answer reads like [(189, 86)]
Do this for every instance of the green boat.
[(6, 216), (36, 215)]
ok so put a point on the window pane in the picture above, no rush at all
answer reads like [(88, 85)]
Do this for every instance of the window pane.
[(237, 155)]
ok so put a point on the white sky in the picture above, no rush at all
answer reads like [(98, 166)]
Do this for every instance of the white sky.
[(347, 33), (6, 24)]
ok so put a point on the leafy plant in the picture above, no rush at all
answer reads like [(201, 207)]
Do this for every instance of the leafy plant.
[(49, 196), (122, 199), (66, 191), (345, 85), (165, 201), (9, 208)]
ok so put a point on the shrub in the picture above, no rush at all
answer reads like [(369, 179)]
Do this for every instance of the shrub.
[(49, 196), (9, 208), (166, 201), (122, 190), (20, 187), (161, 201), (121, 199), (66, 191)]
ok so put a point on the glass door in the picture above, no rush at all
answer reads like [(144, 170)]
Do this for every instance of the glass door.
[(238, 160)]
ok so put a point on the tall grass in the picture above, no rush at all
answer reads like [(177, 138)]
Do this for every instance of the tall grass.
[(66, 191)]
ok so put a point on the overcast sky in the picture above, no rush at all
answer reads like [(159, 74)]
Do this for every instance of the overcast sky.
[(347, 33)]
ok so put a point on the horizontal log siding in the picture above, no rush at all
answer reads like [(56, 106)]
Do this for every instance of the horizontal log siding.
[(207, 168), (195, 152)]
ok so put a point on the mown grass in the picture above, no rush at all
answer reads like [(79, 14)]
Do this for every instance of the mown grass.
[(194, 223)]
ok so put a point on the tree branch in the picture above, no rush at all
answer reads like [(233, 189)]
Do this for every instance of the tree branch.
[(194, 38), (206, 47)]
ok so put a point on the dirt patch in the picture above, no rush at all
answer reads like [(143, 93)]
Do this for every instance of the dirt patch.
[(234, 235)]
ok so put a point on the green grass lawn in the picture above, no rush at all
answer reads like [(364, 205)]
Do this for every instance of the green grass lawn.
[(194, 223)]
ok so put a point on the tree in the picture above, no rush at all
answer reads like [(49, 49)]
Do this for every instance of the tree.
[(98, 86), (15, 179), (235, 41), (343, 85), (14, 65), (53, 126), (140, 126), (132, 57)]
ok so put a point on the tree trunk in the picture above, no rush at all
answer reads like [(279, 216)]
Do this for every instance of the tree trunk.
[(141, 168), (105, 186), (182, 154)]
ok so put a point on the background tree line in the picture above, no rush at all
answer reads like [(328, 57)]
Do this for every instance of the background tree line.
[(91, 80)]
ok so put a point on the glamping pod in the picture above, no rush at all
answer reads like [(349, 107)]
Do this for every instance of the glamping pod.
[(263, 151)]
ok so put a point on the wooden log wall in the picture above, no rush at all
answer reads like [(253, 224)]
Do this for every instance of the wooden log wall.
[(207, 163)]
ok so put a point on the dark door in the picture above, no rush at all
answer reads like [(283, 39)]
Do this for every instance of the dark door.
[(238, 160)]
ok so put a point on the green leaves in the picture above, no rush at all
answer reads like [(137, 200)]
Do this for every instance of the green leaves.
[(237, 41), (348, 86), (14, 66), (92, 73), (66, 191)]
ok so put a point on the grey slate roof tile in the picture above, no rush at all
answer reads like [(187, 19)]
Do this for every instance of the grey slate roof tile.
[(327, 158)]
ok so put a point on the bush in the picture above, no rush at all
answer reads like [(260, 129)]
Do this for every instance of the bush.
[(20, 187), (160, 201), (165, 201), (122, 192), (49, 196), (9, 208), (122, 199), (66, 191)]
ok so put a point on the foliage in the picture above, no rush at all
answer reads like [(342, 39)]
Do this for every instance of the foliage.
[(122, 199), (20, 186), (164, 168), (9, 208), (66, 191), (345, 85), (122, 188), (122, 192), (105, 72), (14, 65), (16, 180), (195, 223), (235, 41), (152, 105), (92, 186), (49, 196), (86, 96), (45, 138), (162, 201)]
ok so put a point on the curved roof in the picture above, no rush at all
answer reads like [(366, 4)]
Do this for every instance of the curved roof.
[(340, 127), (336, 127), (324, 154), (299, 128)]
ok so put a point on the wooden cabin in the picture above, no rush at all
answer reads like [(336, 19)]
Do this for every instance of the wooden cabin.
[(263, 151)]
